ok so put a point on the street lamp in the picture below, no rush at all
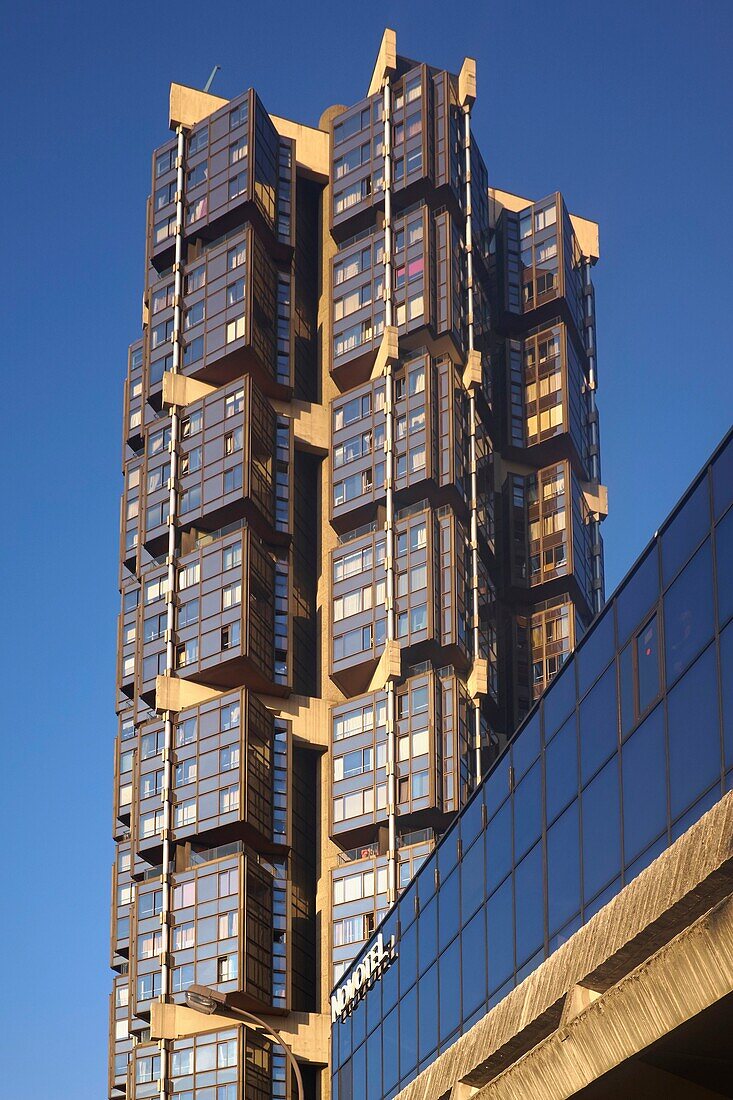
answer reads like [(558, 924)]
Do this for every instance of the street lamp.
[(202, 999)]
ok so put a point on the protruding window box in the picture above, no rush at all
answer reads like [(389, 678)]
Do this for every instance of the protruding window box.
[(431, 443)]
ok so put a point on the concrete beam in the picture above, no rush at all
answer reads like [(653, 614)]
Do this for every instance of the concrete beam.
[(311, 424), (388, 668), (179, 389), (682, 979), (693, 874), (386, 62), (173, 693), (311, 146)]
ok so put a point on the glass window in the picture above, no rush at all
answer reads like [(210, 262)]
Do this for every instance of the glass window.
[(723, 480), (408, 1032), (529, 905), (724, 556), (598, 724), (526, 748), (686, 531), (527, 811), (450, 991), (644, 768), (637, 595), (647, 662), (601, 830), (500, 923), (499, 847), (563, 869), (596, 651), (473, 976), (561, 769), (559, 700), (688, 613), (694, 733), (427, 992), (726, 677)]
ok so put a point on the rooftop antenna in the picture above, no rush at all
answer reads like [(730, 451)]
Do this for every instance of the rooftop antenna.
[(210, 81)]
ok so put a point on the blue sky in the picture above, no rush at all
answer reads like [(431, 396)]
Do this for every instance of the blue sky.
[(625, 107)]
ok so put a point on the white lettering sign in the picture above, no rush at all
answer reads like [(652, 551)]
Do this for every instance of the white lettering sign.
[(362, 978)]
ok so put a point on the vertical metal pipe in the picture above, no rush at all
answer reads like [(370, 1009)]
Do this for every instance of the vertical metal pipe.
[(595, 466), (473, 430), (389, 467)]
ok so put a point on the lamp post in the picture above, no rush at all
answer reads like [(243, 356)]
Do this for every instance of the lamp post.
[(202, 999)]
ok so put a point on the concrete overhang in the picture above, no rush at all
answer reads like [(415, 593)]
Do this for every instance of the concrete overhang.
[(656, 955)]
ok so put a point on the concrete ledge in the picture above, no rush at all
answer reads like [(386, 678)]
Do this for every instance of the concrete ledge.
[(389, 351), (311, 424), (389, 667), (308, 1034), (172, 693), (686, 880), (682, 979), (179, 389), (189, 105)]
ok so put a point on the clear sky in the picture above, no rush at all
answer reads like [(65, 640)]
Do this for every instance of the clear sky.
[(623, 106)]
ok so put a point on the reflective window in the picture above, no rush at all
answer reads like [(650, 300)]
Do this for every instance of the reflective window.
[(473, 946), (498, 847), (688, 613), (726, 678), (527, 811), (644, 785), (598, 723), (596, 651), (647, 663), (724, 558), (561, 769), (686, 531), (638, 595), (723, 480), (500, 922), (529, 909), (563, 869), (560, 701), (692, 705), (428, 1010), (601, 829), (450, 990)]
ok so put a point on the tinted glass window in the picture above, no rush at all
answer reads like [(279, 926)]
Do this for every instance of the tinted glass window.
[(408, 1032), (601, 829), (688, 613), (500, 935), (473, 948), (595, 653), (559, 700), (626, 679), (427, 935), (598, 724), (526, 748), (529, 906), (687, 530), (638, 595), (724, 557), (448, 910), (390, 1039), (692, 726), (374, 1066), (563, 869), (427, 992), (450, 990), (647, 664), (472, 880), (527, 811), (498, 847), (561, 769), (723, 480), (726, 679), (644, 785)]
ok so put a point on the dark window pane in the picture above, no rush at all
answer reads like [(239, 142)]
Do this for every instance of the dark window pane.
[(448, 918), (447, 854), (686, 531), (427, 995), (473, 968), (724, 557), (450, 990), (645, 785), (498, 847), (529, 906), (358, 1068), (601, 830), (358, 1020), (559, 699), (408, 1032), (637, 595), (563, 869), (472, 880), (561, 769), (407, 958), (694, 733), (598, 725), (471, 822), (500, 934), (688, 613), (427, 935), (596, 651), (374, 1066), (527, 811), (647, 663), (496, 787), (626, 677), (726, 679), (723, 480), (526, 747), (390, 1038)]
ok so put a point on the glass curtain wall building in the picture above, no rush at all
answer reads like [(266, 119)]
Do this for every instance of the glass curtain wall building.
[(359, 536), (630, 746)]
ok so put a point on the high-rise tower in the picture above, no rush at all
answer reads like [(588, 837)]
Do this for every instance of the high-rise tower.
[(360, 533)]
